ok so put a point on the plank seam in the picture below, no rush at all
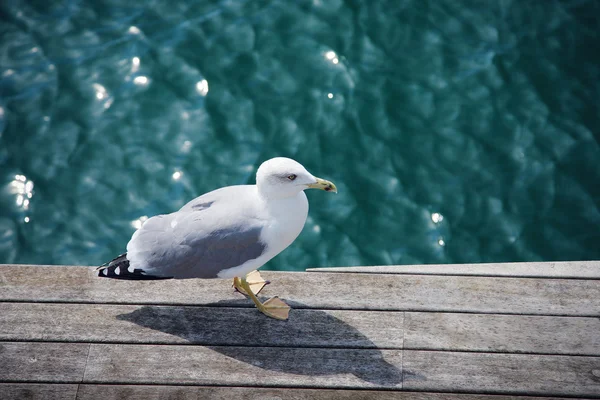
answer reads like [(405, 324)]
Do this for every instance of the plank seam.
[(208, 344), (250, 307), (473, 275), (368, 389), (303, 387), (402, 369), (365, 389), (262, 346), (438, 274), (511, 394), (87, 359), (79, 386)]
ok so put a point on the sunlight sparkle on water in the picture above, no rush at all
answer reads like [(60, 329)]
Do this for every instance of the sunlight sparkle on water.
[(135, 64), (101, 93), (141, 80), (202, 87), (331, 56), (23, 189), (437, 218)]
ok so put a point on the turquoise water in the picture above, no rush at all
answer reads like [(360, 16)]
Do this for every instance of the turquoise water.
[(456, 131)]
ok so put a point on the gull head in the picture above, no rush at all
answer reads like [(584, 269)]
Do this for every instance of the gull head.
[(282, 177)]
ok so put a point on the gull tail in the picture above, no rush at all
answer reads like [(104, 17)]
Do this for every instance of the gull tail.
[(118, 268)]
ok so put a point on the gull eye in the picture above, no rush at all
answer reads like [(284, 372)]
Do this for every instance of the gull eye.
[(291, 177)]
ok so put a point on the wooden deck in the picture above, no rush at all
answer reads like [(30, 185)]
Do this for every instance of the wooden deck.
[(480, 332)]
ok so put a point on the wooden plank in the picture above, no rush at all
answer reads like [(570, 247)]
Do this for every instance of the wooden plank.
[(317, 290), (338, 368), (501, 373), (42, 362), (154, 392), (81, 284), (423, 370), (502, 333), (198, 325), (38, 391), (244, 366), (308, 328), (565, 269)]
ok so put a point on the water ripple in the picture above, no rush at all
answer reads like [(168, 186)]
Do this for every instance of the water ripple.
[(455, 132)]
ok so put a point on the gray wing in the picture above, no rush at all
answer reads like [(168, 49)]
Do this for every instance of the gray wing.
[(219, 196), (195, 244)]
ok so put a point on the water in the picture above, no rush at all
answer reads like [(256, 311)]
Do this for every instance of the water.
[(455, 131)]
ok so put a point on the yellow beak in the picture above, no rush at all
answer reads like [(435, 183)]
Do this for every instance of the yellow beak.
[(323, 185)]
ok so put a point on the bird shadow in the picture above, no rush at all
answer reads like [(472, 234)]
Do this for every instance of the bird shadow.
[(311, 342)]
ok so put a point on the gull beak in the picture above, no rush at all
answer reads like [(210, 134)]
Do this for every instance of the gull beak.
[(323, 185)]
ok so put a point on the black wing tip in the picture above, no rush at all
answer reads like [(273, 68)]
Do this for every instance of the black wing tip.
[(134, 277), (118, 259), (118, 268)]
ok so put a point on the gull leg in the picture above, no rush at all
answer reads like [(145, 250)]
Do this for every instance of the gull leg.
[(255, 281), (274, 307)]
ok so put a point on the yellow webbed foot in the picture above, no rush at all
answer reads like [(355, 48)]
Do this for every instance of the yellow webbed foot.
[(274, 307), (255, 282)]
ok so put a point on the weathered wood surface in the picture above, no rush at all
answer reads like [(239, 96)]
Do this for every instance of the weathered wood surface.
[(65, 332), (501, 373), (19, 391), (308, 367), (575, 297), (307, 328), (42, 362), (198, 325), (564, 269), (502, 333), (247, 366), (38, 391)]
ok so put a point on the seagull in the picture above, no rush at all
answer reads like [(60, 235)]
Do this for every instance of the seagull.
[(227, 233)]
